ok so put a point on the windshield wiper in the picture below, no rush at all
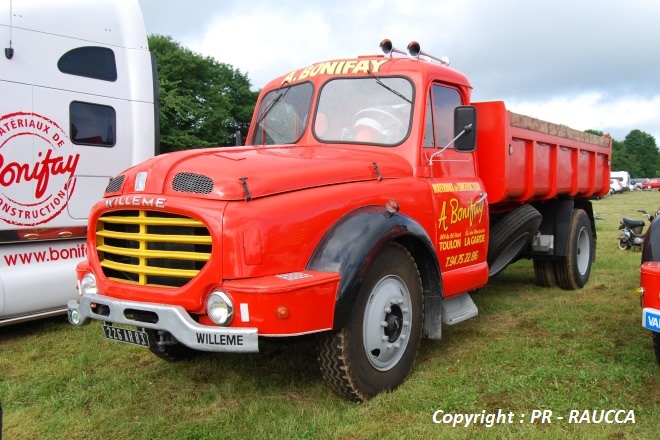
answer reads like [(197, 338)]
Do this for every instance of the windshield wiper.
[(379, 81), (275, 100)]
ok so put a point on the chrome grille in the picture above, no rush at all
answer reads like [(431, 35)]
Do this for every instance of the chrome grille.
[(151, 248), (192, 183)]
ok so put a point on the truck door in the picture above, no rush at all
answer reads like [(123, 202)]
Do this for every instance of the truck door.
[(459, 199), (90, 145)]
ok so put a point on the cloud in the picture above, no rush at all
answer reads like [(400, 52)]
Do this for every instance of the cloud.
[(263, 42), (585, 64), (593, 111)]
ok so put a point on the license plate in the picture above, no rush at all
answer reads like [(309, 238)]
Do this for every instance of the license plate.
[(135, 337), (651, 319)]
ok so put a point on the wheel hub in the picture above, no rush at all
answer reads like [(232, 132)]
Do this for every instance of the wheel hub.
[(394, 321), (386, 325)]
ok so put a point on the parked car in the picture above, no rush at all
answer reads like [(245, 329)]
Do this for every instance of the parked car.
[(654, 183), (643, 184), (615, 186)]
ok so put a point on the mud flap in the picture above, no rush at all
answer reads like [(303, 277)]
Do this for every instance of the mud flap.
[(433, 317)]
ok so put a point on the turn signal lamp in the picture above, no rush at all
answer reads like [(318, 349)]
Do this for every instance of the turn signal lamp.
[(391, 208), (282, 312), (88, 285)]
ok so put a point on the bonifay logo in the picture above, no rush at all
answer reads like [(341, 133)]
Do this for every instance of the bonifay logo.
[(36, 169)]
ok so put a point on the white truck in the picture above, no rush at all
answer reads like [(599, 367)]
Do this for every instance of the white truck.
[(624, 179), (79, 96)]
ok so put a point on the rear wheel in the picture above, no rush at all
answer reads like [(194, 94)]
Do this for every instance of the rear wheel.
[(573, 270), (544, 270), (376, 350), (510, 236), (623, 243)]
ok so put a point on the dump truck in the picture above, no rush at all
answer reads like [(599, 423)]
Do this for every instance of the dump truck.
[(371, 200)]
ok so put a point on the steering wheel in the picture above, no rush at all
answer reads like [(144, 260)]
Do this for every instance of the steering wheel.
[(385, 118)]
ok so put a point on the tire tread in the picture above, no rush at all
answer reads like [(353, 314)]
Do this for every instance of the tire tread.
[(338, 370), (568, 277)]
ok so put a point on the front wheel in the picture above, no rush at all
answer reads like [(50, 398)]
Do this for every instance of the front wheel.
[(573, 271), (166, 347), (376, 350)]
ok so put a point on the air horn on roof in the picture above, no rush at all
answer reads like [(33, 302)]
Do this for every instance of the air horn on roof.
[(415, 50), (387, 48)]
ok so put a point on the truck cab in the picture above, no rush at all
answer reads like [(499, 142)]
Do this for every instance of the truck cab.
[(78, 85)]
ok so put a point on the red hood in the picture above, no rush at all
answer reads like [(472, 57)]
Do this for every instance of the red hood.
[(267, 170)]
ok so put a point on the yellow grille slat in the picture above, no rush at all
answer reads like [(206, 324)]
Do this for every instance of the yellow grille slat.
[(122, 280), (148, 270), (153, 221), (138, 236), (138, 253), (177, 249)]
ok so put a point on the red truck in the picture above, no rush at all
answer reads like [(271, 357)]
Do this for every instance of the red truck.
[(371, 199), (649, 281)]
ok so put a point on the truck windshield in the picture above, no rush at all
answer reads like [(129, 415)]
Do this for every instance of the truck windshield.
[(364, 110), (283, 115)]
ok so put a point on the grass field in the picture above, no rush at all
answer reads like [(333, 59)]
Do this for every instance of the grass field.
[(529, 349)]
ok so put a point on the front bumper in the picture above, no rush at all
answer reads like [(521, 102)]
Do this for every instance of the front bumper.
[(173, 319), (650, 295)]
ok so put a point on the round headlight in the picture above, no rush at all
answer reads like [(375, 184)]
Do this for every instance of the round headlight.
[(88, 285), (220, 308)]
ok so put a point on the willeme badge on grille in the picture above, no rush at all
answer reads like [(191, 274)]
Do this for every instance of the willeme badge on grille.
[(140, 181)]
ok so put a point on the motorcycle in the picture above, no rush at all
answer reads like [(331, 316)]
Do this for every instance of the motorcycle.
[(633, 231)]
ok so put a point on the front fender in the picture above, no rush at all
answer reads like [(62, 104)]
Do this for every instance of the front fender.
[(352, 244)]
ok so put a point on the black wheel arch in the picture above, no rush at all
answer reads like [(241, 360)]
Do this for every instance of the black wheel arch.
[(651, 246), (351, 246)]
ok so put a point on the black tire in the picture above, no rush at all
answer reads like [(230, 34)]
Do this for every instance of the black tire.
[(656, 346), (573, 270), (544, 271), (166, 347), (510, 236), (376, 350)]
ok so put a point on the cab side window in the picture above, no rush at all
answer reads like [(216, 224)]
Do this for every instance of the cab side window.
[(92, 124), (90, 62), (439, 127)]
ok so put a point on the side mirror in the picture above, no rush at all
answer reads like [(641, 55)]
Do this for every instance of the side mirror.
[(465, 128)]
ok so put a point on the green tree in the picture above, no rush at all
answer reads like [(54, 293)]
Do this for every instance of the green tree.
[(638, 154), (202, 102), (643, 153), (621, 158)]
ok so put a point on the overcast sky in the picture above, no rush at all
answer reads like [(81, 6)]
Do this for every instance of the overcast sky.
[(582, 63)]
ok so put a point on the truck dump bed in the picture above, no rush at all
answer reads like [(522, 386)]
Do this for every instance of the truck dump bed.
[(525, 159)]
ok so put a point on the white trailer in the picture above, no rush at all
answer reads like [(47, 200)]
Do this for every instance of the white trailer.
[(78, 104)]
